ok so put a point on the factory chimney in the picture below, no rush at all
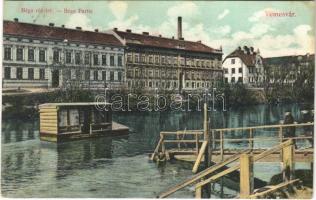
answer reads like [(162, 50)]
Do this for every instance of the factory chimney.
[(179, 28)]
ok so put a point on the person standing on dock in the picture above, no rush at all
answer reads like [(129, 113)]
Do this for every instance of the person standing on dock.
[(289, 132)]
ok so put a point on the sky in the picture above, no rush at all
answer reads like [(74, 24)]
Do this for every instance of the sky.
[(216, 23)]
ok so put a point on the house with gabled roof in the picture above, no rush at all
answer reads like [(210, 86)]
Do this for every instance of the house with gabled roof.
[(244, 65)]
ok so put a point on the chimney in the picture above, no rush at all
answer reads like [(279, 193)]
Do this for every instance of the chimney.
[(16, 19), (159, 35), (51, 24), (181, 38), (145, 33), (114, 29), (172, 37), (63, 26), (96, 30), (199, 41), (128, 30), (78, 28), (179, 27)]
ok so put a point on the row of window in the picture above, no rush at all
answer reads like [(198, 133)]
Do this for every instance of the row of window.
[(97, 59), (233, 70), (164, 60), (153, 84), (87, 75), (239, 80), (20, 54), (19, 73)]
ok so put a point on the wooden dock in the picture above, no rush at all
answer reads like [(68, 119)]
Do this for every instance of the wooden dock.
[(208, 146)]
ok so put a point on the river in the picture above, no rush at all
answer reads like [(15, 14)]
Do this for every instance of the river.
[(118, 167)]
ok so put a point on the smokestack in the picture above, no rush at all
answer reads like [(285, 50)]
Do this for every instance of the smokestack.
[(179, 27)]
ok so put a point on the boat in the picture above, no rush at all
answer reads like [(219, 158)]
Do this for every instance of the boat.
[(71, 121)]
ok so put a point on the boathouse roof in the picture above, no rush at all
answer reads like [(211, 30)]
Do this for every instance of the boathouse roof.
[(145, 39), (53, 32)]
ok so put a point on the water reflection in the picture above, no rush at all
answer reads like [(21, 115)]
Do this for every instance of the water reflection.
[(115, 167)]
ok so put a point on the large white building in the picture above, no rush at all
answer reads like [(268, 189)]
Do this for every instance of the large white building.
[(244, 65), (53, 57)]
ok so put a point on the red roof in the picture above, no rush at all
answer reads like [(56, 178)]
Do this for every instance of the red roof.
[(58, 33), (162, 42), (247, 58)]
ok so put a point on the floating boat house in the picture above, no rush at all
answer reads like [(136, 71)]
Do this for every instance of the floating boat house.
[(70, 121)]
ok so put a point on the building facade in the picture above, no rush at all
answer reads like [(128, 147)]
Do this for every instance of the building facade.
[(244, 65), (54, 57), (156, 62), (288, 69)]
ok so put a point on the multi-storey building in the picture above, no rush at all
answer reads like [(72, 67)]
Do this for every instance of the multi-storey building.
[(244, 66), (50, 57), (169, 63), (288, 69)]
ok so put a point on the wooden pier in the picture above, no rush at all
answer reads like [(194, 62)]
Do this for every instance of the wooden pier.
[(208, 146)]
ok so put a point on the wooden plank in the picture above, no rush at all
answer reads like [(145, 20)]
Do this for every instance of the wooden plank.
[(273, 188), (51, 117), (181, 141), (246, 176), (48, 121), (265, 127), (157, 148), (47, 110), (199, 158), (198, 193), (200, 175), (48, 132), (48, 124), (48, 129), (288, 162)]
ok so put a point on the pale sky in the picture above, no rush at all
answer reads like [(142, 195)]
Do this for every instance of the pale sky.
[(228, 24)]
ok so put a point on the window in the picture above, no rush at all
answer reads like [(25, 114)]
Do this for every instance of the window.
[(95, 59), (7, 53), (30, 54), (87, 75), (19, 54), (7, 72), (150, 59), (19, 73), (119, 61), (240, 70), (233, 70), (150, 84), (103, 75), (103, 60), (56, 56), (77, 58), (143, 59), (233, 80), (129, 58), (232, 61), (239, 79), (68, 57), (87, 58), (226, 71), (31, 73), (163, 60), (226, 80), (112, 60), (157, 59), (136, 58), (42, 56), (95, 75), (111, 76), (119, 76), (42, 74)]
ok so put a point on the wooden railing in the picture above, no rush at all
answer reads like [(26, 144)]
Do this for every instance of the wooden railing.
[(245, 164), (179, 138)]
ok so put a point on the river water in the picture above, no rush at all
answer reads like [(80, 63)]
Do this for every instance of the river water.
[(119, 167)]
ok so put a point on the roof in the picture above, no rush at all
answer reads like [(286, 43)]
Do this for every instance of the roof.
[(163, 42), (73, 104), (58, 33), (289, 59), (247, 58)]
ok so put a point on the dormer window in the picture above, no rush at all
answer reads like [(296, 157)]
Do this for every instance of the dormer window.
[(233, 61)]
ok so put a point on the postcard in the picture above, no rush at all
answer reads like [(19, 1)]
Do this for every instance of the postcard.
[(158, 99)]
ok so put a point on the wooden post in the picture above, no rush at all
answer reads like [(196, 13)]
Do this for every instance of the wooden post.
[(250, 139), (163, 148), (198, 192), (178, 138), (246, 176), (222, 144), (281, 135), (288, 162), (197, 143), (206, 137)]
